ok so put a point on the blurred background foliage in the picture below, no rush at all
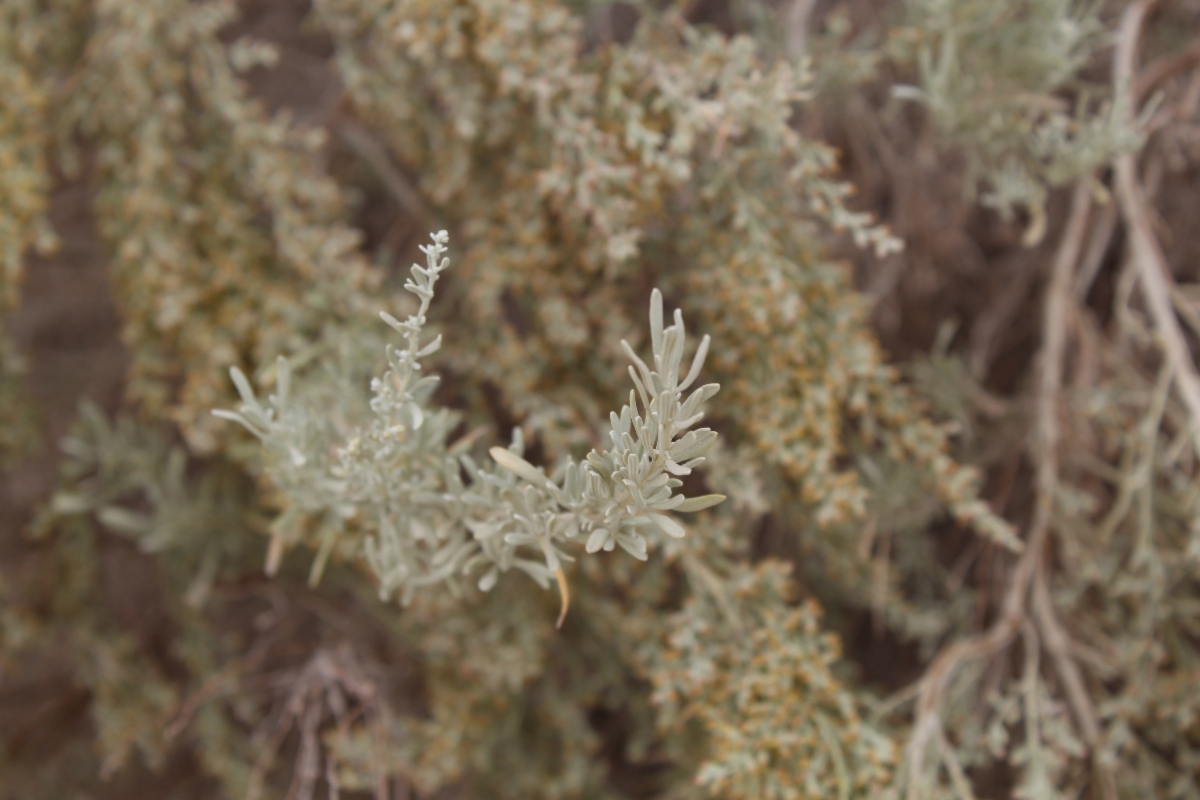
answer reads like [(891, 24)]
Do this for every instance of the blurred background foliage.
[(941, 248)]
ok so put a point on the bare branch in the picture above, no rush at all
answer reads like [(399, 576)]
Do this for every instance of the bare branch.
[(1151, 264), (371, 151), (1054, 340)]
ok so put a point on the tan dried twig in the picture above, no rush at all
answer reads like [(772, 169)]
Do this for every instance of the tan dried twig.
[(797, 18), (331, 680), (1149, 261), (1030, 578), (1158, 71), (1059, 644), (1056, 316), (366, 147)]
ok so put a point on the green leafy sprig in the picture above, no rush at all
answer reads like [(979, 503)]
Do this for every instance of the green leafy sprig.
[(429, 513)]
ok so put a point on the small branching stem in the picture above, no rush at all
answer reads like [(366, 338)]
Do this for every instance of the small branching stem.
[(1148, 257), (937, 678)]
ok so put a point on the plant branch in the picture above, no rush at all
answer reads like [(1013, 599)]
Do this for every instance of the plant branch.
[(366, 147), (1149, 260), (1059, 644), (1158, 71), (937, 677)]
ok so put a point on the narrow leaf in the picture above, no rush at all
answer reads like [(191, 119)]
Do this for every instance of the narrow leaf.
[(656, 320), (668, 525), (518, 466), (700, 503)]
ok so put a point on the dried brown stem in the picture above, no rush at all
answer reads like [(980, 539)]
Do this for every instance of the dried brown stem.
[(1013, 614), (371, 151), (796, 20), (1163, 68), (1059, 644), (325, 683), (1149, 261), (1098, 244)]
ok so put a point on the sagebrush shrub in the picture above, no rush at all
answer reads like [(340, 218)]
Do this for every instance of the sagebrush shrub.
[(1015, 543)]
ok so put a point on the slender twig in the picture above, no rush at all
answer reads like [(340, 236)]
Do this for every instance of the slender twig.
[(1158, 71), (1185, 309), (712, 583), (1098, 243), (796, 21), (1059, 645), (1151, 264), (958, 778), (227, 680), (371, 151), (1055, 318)]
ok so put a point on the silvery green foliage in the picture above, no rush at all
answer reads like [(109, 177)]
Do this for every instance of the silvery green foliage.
[(136, 483), (433, 514), (996, 77)]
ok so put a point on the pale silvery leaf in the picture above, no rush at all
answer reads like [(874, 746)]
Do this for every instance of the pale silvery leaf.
[(597, 540), (518, 466), (700, 503), (668, 525)]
